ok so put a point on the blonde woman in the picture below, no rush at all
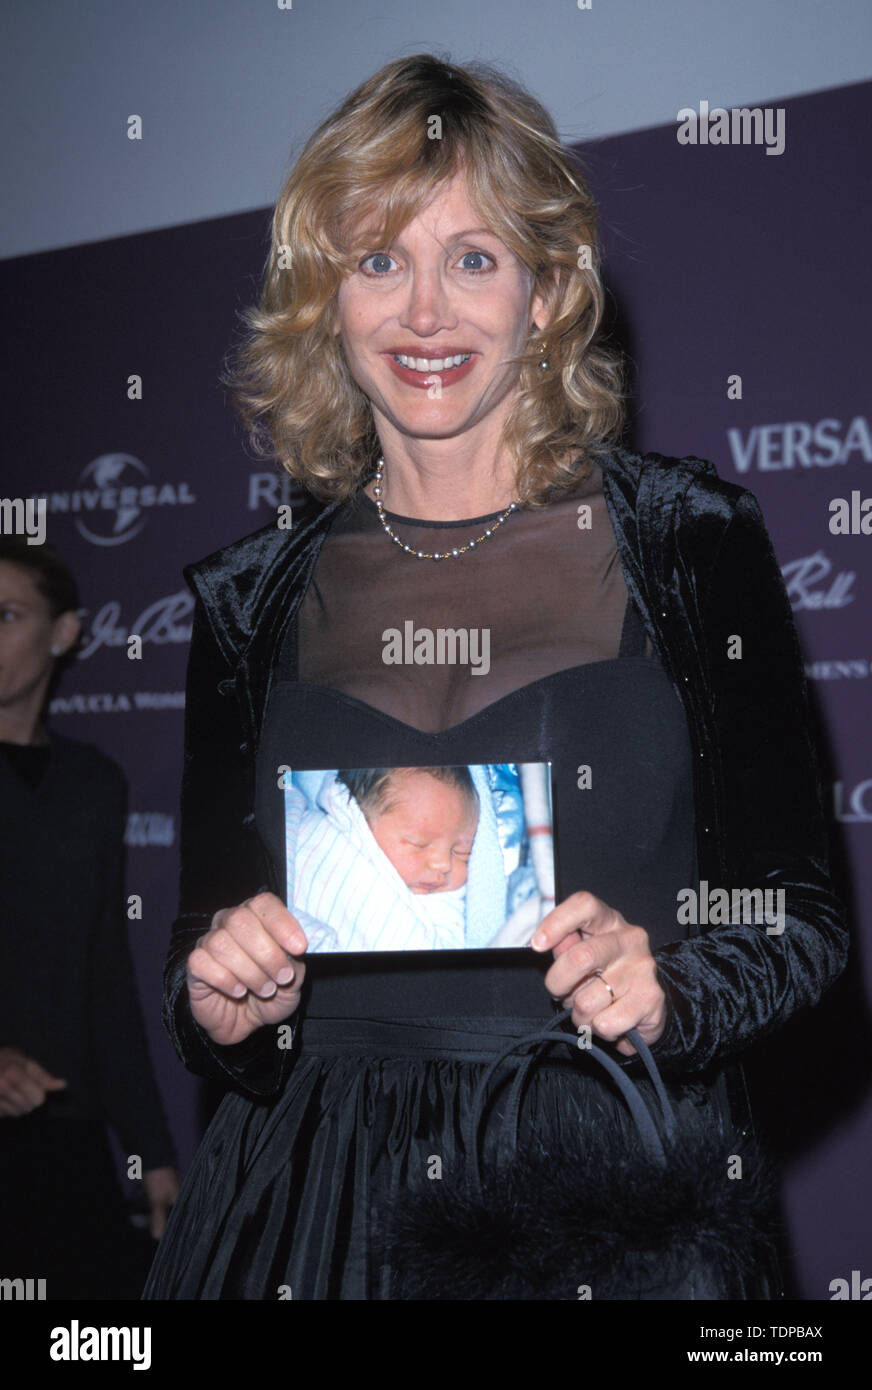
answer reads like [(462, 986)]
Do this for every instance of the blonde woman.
[(426, 360)]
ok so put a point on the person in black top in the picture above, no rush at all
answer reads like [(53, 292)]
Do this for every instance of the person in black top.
[(426, 361), (73, 1051)]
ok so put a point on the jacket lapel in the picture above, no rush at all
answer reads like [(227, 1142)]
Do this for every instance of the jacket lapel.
[(251, 589), (668, 533)]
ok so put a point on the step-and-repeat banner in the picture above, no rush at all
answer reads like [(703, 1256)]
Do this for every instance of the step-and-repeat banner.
[(737, 259)]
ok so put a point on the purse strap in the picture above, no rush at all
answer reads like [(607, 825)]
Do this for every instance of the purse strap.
[(646, 1124)]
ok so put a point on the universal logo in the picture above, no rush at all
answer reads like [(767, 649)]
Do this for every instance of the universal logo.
[(116, 495)]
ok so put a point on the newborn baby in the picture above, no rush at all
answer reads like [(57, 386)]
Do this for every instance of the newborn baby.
[(383, 865), (424, 819)]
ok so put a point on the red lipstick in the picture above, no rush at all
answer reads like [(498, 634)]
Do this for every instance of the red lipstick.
[(424, 380)]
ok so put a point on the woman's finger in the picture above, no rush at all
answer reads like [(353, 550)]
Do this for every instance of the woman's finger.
[(566, 943), (229, 952), (643, 1007), (578, 912), (219, 963), (262, 947), (206, 973), (22, 1088), (593, 1002), (23, 1098), (280, 924), (583, 957)]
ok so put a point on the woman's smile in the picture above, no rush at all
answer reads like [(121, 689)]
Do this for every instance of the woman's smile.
[(424, 373)]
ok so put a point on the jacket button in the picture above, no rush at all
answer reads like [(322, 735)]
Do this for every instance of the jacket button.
[(243, 747), (226, 687), (249, 819)]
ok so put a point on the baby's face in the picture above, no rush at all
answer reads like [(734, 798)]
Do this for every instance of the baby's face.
[(427, 833)]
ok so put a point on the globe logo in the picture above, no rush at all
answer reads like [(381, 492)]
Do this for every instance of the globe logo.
[(116, 494)]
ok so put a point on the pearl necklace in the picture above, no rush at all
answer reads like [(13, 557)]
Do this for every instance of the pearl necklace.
[(424, 554)]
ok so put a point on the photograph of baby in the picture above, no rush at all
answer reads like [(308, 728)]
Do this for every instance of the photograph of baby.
[(419, 858)]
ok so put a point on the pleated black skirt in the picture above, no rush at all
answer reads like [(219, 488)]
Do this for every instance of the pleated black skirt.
[(292, 1198)]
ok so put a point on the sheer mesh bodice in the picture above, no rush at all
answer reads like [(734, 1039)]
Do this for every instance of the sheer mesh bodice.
[(541, 595)]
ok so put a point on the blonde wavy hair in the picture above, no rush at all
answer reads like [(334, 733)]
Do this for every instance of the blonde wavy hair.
[(372, 158)]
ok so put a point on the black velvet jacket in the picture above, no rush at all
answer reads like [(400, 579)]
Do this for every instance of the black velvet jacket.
[(700, 567)]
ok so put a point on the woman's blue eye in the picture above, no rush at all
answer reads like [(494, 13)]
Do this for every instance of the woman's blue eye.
[(379, 256), (476, 270)]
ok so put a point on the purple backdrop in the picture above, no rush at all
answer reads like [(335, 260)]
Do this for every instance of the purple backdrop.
[(723, 261)]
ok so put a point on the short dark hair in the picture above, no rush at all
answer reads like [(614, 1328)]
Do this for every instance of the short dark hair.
[(51, 574), (371, 786)]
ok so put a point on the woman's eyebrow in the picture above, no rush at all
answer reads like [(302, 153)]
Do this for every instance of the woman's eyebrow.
[(473, 231)]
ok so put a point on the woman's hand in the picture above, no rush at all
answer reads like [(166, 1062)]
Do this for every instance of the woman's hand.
[(587, 935), (240, 975), (161, 1188), (24, 1084)]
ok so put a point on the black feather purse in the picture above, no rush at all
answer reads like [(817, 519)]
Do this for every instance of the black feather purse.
[(661, 1204)]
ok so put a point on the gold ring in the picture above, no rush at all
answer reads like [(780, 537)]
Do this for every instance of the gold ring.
[(602, 977)]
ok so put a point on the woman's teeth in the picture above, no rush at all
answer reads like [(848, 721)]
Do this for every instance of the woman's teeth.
[(436, 364)]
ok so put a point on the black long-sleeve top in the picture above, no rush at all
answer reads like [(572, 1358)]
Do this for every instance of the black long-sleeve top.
[(68, 995), (700, 567)]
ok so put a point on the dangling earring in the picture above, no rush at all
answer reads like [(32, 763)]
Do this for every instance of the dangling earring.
[(543, 360)]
